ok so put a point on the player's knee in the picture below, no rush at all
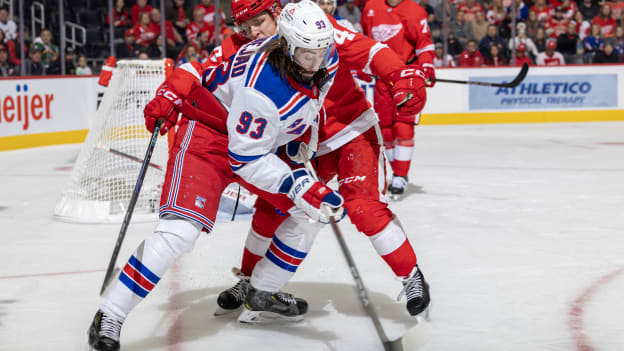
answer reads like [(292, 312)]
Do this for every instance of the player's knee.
[(175, 234), (368, 216), (404, 132)]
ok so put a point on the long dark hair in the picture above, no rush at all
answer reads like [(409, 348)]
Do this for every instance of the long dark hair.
[(279, 60)]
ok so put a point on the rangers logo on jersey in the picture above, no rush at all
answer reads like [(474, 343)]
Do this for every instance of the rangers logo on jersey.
[(385, 32)]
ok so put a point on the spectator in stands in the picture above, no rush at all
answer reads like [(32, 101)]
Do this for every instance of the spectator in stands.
[(49, 51), (557, 24), (143, 55), (454, 46), (13, 46), (606, 23), (495, 58), (6, 25), (521, 56), (190, 55), (593, 43), (550, 57), (209, 12), (33, 65), (618, 41), (451, 11), (479, 27), (542, 10), (569, 9), (7, 69), (439, 53), (567, 45), (140, 7), (179, 15), (129, 49), (143, 31), (492, 38), (532, 25), (582, 26), (460, 29), (351, 13), (470, 9), (540, 40), (522, 38), (589, 9), (70, 68), (120, 18), (174, 39), (83, 68), (471, 57), (197, 25), (497, 13), (608, 55)]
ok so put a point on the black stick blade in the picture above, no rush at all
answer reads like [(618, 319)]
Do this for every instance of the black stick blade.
[(519, 78)]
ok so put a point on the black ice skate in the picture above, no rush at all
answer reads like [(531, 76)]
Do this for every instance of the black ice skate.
[(417, 291), (232, 299), (265, 306), (104, 332), (397, 187)]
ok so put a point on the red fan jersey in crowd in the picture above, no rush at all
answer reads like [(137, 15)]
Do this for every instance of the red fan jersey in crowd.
[(466, 59), (403, 28), (209, 12), (543, 13), (145, 35), (554, 27), (135, 11), (522, 60), (155, 27), (607, 25), (120, 18), (193, 28), (569, 7), (470, 10), (543, 59)]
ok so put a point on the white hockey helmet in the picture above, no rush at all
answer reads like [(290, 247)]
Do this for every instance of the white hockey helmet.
[(305, 25)]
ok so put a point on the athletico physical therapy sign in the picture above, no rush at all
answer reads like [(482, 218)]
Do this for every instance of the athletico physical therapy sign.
[(540, 92)]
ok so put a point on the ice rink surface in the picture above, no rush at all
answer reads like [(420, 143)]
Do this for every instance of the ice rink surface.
[(519, 229)]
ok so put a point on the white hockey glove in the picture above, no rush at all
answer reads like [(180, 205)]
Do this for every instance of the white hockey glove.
[(317, 200)]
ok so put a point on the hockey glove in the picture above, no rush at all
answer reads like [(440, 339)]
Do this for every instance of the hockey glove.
[(164, 106), (408, 91), (318, 201), (429, 71), (303, 148)]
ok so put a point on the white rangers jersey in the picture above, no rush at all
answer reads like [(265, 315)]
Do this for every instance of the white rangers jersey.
[(266, 110)]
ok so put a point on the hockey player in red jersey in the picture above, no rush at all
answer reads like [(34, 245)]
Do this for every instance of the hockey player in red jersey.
[(402, 25), (349, 148)]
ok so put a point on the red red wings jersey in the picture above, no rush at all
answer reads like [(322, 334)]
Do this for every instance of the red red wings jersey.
[(403, 28), (348, 112)]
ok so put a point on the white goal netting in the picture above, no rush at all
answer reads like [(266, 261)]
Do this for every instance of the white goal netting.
[(107, 168)]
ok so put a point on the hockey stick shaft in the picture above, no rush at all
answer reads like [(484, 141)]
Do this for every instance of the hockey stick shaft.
[(363, 292), (130, 210), (128, 156), (514, 83)]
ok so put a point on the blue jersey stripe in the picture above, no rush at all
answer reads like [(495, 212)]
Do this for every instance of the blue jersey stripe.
[(241, 158), (134, 287), (294, 110), (287, 249), (134, 262), (280, 263)]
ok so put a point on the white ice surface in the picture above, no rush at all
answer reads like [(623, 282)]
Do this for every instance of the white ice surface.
[(511, 225)]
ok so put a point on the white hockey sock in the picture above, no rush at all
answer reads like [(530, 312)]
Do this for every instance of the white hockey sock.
[(289, 246), (256, 243), (388, 239), (149, 262)]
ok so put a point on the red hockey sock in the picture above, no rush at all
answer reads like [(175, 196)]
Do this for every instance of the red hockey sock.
[(401, 260), (249, 262)]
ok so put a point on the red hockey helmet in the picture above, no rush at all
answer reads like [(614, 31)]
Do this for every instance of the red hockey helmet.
[(244, 10)]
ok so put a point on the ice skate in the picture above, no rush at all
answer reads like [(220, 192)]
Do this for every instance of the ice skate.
[(265, 307), (397, 187), (417, 291), (231, 300), (104, 332)]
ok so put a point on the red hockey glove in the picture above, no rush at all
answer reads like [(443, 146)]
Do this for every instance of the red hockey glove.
[(315, 199), (429, 71), (164, 106), (408, 91)]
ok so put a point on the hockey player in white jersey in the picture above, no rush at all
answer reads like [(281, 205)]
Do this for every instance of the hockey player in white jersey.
[(271, 92)]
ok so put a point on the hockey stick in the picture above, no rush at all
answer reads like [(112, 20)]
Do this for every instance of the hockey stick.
[(413, 337), (514, 83), (128, 156), (133, 201)]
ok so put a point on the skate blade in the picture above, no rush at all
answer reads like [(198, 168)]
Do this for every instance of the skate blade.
[(264, 317), (395, 197), (222, 311)]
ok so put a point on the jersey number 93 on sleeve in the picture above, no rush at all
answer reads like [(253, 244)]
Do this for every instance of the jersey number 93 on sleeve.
[(245, 123)]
